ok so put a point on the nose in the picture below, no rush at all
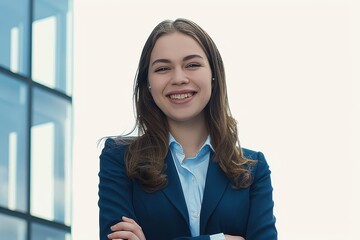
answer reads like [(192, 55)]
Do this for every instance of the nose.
[(179, 77)]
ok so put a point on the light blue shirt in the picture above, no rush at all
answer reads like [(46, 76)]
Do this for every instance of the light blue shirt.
[(192, 173)]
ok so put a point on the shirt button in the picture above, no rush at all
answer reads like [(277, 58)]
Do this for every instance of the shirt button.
[(193, 178)]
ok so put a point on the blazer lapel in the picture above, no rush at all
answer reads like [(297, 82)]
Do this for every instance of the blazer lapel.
[(173, 190), (216, 183)]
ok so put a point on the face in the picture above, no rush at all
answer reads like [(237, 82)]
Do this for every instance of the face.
[(179, 75)]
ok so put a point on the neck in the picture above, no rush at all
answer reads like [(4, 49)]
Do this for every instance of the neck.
[(190, 134)]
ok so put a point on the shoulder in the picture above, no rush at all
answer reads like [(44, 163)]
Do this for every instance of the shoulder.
[(111, 146), (116, 144), (249, 154), (254, 155), (113, 151), (112, 157), (261, 167)]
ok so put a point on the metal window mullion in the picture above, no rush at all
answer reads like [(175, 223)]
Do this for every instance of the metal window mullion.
[(29, 120)]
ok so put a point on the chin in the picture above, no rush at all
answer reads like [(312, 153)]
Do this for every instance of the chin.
[(184, 119)]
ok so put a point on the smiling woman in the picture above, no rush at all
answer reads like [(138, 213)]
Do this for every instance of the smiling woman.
[(186, 169)]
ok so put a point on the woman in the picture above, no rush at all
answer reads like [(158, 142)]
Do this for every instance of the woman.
[(185, 175)]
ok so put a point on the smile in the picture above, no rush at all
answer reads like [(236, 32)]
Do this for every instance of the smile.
[(181, 96)]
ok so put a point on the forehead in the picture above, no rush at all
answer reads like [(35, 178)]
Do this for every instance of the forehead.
[(176, 45)]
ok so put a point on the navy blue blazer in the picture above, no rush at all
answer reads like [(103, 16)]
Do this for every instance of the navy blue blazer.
[(163, 214)]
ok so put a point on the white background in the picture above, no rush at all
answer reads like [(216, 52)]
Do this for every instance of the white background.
[(293, 82)]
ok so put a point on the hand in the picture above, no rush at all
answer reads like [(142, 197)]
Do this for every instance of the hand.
[(229, 237), (127, 229)]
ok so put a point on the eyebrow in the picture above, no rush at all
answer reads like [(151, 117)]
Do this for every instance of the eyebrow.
[(162, 60)]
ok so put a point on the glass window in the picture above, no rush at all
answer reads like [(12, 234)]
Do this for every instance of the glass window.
[(50, 157), (41, 232), (14, 32), (52, 45), (13, 144), (12, 228)]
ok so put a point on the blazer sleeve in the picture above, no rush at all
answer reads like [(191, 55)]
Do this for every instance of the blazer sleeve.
[(261, 221), (201, 237), (115, 188)]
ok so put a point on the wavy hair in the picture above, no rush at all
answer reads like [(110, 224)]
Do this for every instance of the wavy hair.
[(146, 153)]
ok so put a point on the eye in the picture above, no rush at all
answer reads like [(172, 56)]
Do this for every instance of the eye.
[(193, 65), (162, 69)]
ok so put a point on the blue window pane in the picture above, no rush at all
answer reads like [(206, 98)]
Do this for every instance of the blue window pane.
[(14, 35), (52, 44), (12, 228), (50, 157), (13, 144), (40, 232)]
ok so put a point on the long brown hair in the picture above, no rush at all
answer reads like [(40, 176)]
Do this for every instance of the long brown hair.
[(145, 156)]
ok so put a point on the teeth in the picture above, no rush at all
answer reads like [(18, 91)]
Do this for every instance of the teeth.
[(181, 96)]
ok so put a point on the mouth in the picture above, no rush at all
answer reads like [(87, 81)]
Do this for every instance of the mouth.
[(181, 96)]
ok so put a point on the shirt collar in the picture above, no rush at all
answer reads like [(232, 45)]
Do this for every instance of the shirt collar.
[(206, 143)]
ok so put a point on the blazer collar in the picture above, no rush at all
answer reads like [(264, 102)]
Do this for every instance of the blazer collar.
[(173, 190), (215, 186), (216, 183)]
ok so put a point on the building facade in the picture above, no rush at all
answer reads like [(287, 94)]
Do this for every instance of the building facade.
[(35, 119)]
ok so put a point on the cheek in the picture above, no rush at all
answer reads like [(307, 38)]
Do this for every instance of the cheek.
[(157, 83), (156, 89), (208, 96), (208, 88), (156, 93)]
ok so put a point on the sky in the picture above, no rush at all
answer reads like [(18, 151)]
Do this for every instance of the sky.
[(293, 79)]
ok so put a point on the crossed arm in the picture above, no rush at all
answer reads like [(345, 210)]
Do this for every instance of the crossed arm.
[(130, 230)]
